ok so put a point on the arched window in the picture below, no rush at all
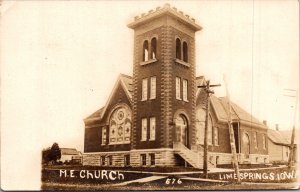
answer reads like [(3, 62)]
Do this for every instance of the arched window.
[(120, 126), (145, 51), (216, 136), (246, 143), (178, 48), (210, 131), (200, 125), (185, 51), (153, 48)]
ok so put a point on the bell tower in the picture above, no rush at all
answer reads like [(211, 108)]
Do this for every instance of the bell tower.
[(163, 79)]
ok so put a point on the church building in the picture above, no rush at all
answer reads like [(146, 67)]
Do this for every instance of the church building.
[(157, 116)]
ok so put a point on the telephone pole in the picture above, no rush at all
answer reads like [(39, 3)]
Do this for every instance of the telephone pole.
[(231, 135), (292, 146), (208, 92)]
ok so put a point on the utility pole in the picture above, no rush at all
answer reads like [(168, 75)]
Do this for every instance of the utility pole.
[(292, 146), (208, 92), (231, 136)]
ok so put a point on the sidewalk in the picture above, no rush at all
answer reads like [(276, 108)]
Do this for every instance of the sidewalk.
[(221, 170)]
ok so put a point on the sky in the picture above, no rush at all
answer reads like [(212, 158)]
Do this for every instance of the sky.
[(60, 60)]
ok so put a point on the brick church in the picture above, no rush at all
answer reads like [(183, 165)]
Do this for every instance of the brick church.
[(157, 116)]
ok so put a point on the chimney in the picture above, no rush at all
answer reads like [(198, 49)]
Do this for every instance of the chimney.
[(277, 127), (265, 122)]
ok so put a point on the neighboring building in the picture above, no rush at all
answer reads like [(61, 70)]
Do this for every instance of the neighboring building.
[(279, 146), (250, 134), (288, 136), (70, 154), (155, 118)]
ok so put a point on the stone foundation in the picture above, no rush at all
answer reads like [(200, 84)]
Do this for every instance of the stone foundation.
[(165, 158)]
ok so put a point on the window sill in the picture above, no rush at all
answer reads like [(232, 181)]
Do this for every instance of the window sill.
[(185, 100), (181, 62), (152, 98), (119, 143), (151, 139), (144, 100), (148, 62)]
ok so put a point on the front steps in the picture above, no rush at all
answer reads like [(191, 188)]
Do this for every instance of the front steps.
[(193, 158)]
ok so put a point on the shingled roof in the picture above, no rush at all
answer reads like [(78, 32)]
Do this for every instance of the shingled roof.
[(277, 137), (126, 82), (221, 107), (69, 151)]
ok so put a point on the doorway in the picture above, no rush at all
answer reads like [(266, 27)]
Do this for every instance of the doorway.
[(182, 130)]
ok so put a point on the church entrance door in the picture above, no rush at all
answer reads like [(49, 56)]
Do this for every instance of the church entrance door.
[(182, 130)]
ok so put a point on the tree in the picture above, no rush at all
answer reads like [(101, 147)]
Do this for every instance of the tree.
[(51, 154), (55, 153)]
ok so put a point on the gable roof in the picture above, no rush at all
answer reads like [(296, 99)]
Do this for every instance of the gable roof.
[(199, 81), (69, 151), (277, 137), (126, 83), (287, 134), (95, 115), (221, 108)]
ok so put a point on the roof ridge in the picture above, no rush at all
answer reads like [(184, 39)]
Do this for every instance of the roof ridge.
[(91, 115), (125, 75)]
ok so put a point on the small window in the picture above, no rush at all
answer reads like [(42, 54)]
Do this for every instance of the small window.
[(144, 129), (153, 48), (103, 135), (185, 89), (152, 159), (209, 131), (264, 141), (144, 89), (109, 159), (126, 160), (178, 48), (143, 160), (152, 128), (153, 87), (216, 136), (217, 160), (185, 51), (178, 85), (102, 160), (255, 139), (145, 51)]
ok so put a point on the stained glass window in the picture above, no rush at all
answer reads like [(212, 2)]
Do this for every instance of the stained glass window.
[(120, 126), (152, 128), (153, 87), (178, 88), (184, 89), (144, 89), (144, 129), (216, 135), (103, 135)]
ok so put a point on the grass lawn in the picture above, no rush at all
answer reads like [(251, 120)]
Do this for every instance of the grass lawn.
[(52, 180)]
